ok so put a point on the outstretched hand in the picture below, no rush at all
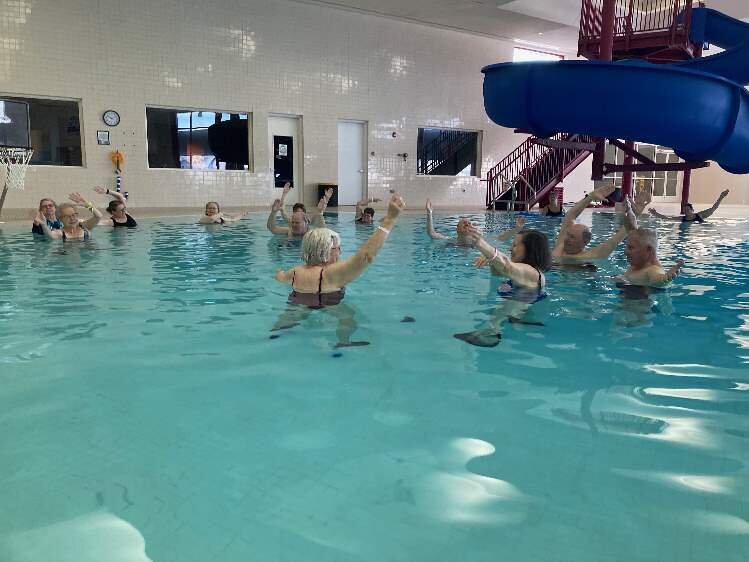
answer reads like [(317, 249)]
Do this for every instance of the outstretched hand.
[(724, 194), (480, 261), (39, 219), (101, 190), (630, 216), (473, 234), (328, 193), (77, 198), (286, 188), (429, 206), (395, 206), (674, 271), (276, 205), (603, 192), (280, 275)]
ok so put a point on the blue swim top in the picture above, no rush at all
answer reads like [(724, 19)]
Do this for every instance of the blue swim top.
[(522, 294)]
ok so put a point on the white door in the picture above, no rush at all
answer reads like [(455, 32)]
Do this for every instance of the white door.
[(285, 149), (352, 162)]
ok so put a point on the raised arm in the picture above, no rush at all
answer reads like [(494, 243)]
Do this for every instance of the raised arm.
[(500, 263), (318, 220), (430, 225), (342, 273), (286, 188), (271, 224), (664, 217), (708, 212), (661, 279), (40, 220), (78, 199), (509, 234), (113, 194), (631, 211), (599, 194)]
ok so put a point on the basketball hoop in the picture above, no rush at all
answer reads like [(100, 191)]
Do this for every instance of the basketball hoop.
[(15, 160)]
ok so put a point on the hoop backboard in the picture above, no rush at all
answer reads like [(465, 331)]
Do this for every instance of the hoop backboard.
[(14, 123)]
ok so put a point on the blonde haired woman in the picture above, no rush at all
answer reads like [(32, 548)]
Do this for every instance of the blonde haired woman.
[(320, 283)]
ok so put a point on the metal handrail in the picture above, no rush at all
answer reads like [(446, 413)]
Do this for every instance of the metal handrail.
[(433, 155)]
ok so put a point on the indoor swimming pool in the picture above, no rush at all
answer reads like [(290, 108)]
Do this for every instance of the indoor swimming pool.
[(147, 414)]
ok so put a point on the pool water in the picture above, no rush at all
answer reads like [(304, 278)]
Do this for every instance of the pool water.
[(146, 414)]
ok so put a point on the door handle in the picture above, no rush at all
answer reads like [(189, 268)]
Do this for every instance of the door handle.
[(360, 171)]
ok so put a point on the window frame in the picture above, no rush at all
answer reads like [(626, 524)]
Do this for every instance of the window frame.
[(556, 56), (250, 137), (479, 151), (81, 126)]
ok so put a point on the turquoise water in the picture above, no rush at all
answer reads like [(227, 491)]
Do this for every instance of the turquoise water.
[(146, 414)]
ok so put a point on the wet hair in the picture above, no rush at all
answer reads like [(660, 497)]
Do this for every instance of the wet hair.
[(298, 207), (647, 236), (41, 201), (218, 207), (687, 206), (537, 252), (368, 211), (112, 207), (316, 245)]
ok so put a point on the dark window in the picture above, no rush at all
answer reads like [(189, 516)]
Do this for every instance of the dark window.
[(53, 129), (197, 140), (447, 152)]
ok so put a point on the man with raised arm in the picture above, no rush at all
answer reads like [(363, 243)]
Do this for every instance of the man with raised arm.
[(573, 238), (364, 214), (689, 214), (299, 222)]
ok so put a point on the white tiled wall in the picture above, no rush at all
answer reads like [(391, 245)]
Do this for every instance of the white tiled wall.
[(248, 55)]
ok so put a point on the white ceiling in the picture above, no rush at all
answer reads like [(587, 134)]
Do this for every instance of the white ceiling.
[(551, 24)]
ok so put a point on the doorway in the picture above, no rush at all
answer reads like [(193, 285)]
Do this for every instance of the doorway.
[(285, 149), (352, 162)]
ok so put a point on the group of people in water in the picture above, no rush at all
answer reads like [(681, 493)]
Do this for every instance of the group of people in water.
[(319, 283)]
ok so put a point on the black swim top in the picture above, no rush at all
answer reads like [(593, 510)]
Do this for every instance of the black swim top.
[(522, 294), (130, 222), (697, 218), (318, 299), (559, 213), (86, 234), (52, 225)]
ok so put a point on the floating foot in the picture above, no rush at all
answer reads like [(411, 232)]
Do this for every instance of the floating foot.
[(285, 327), (516, 320), (351, 344), (480, 339)]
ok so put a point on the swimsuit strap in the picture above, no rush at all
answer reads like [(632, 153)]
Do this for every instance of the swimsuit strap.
[(293, 275), (319, 285)]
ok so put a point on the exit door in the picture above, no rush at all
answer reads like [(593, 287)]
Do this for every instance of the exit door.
[(352, 162)]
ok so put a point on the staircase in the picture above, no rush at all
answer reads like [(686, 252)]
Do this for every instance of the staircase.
[(532, 170), (447, 154), (654, 30)]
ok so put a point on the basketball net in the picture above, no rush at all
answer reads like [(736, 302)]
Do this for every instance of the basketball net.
[(15, 161)]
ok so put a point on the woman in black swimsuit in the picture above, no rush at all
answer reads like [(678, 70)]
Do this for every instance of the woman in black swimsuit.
[(689, 214), (213, 215), (117, 209), (320, 283), (553, 209)]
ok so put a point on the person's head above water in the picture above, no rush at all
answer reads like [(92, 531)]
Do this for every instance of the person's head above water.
[(299, 207), (463, 226), (212, 208), (367, 216), (48, 208), (688, 211), (531, 247), (117, 209), (576, 238), (298, 223), (321, 246), (68, 214), (642, 248)]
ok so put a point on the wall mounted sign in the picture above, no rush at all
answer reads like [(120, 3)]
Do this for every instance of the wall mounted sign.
[(102, 137)]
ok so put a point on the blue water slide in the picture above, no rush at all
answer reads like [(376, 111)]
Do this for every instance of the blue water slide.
[(699, 108)]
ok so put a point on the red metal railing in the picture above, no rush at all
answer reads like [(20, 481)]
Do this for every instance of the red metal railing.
[(533, 168), (636, 17)]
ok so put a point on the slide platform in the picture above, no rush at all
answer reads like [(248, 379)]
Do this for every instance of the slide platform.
[(699, 108)]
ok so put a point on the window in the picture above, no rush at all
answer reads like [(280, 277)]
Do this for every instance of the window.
[(527, 55), (661, 184), (51, 127), (447, 152), (197, 140)]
